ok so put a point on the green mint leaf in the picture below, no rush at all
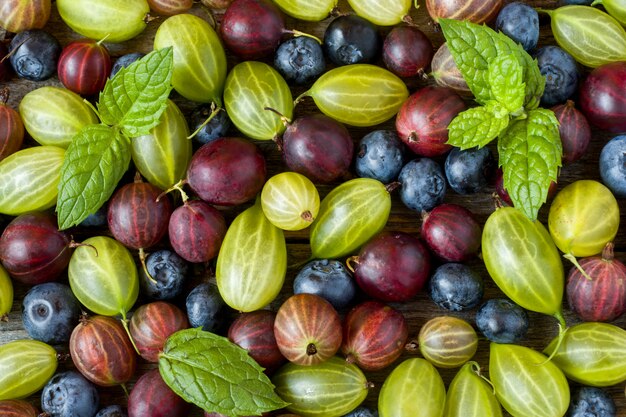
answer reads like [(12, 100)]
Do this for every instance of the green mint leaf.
[(216, 375), (478, 126), (135, 97), (530, 155), (474, 46), (506, 79), (94, 163)]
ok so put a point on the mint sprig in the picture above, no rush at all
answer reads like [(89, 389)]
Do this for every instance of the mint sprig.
[(130, 105), (507, 82), (216, 375)]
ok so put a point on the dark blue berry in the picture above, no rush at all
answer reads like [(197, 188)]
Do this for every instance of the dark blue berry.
[(362, 412), (423, 184), (300, 60), (329, 279), (205, 308), (519, 22), (167, 275), (591, 402), (502, 321), (124, 61), (112, 411), (35, 54), (455, 287), (561, 74), (50, 312), (217, 127), (380, 156), (350, 39), (613, 165), (97, 219), (579, 2), (471, 170), (69, 394)]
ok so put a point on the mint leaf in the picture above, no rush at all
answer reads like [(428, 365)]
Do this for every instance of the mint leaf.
[(506, 79), (216, 375), (478, 126), (94, 163), (530, 155), (135, 97), (473, 46)]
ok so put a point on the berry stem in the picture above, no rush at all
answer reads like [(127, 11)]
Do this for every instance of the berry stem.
[(296, 33), (125, 325), (573, 260), (214, 110)]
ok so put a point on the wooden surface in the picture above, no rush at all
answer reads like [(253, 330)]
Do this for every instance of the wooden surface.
[(420, 309)]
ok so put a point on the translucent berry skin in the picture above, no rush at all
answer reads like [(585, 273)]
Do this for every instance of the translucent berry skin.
[(254, 332), (598, 99), (136, 218), (84, 67), (393, 267), (152, 397), (574, 130), (407, 51), (452, 232)]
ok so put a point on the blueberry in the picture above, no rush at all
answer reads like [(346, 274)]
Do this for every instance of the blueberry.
[(168, 272), (35, 54), (455, 287), (423, 184), (613, 165), (112, 411), (350, 39), (124, 61), (69, 394), (97, 219), (380, 156), (205, 308), (519, 22), (471, 170), (561, 74), (502, 321), (591, 402), (579, 2), (300, 60), (50, 312), (362, 412), (217, 127), (329, 279)]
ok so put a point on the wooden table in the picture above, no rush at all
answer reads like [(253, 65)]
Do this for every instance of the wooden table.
[(421, 308)]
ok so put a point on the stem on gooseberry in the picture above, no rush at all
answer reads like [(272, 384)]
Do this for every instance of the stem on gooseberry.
[(307, 216), (562, 330), (607, 252), (142, 259), (214, 110), (297, 33), (74, 245), (476, 369), (92, 107), (412, 347), (350, 261), (286, 121), (178, 187), (125, 325), (103, 39), (300, 98), (573, 260)]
